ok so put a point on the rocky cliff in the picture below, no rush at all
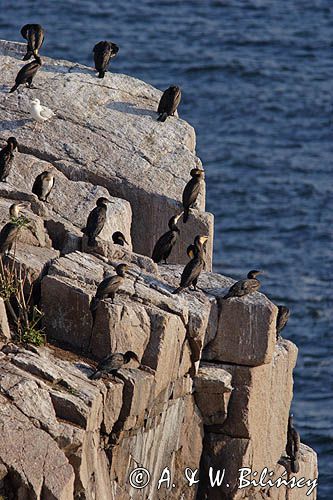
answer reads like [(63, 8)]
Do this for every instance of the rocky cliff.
[(214, 387)]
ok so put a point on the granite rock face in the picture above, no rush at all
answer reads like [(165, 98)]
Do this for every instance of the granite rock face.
[(213, 387), (105, 132)]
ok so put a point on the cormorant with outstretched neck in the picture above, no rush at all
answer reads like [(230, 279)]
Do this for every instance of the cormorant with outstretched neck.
[(167, 241), (169, 103), (7, 158), (293, 445), (27, 73), (191, 190), (108, 287), (119, 239), (282, 319), (244, 287), (34, 34), (43, 185), (103, 53), (193, 268), (113, 363), (96, 220)]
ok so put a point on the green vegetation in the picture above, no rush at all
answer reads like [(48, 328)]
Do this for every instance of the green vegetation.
[(16, 289)]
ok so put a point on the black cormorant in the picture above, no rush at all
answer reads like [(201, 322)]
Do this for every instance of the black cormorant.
[(167, 241), (193, 268), (43, 185), (108, 287), (191, 190), (7, 157), (169, 103), (282, 319), (293, 445), (103, 53), (119, 239), (27, 73), (192, 250), (34, 34), (96, 220), (244, 287), (113, 363)]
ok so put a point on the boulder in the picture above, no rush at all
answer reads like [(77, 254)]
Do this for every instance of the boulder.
[(212, 390)]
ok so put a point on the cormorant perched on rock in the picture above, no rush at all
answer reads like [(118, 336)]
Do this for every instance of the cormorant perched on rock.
[(119, 239), (293, 445), (40, 113), (7, 237), (167, 241), (96, 220), (113, 363), (282, 319), (14, 210), (43, 185), (191, 190), (34, 34), (7, 157), (103, 53), (192, 250), (244, 287), (193, 268), (169, 103), (108, 287), (27, 73)]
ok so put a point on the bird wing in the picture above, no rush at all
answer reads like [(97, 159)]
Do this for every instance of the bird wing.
[(102, 54), (176, 101), (109, 285), (163, 245), (37, 186), (28, 71), (24, 30), (191, 192), (46, 112), (191, 271), (7, 235), (95, 222), (166, 102), (244, 287), (111, 362), (6, 158), (36, 37)]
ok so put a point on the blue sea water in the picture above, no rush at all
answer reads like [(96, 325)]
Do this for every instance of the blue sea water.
[(256, 77)]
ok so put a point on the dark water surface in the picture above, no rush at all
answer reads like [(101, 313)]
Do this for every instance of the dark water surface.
[(257, 79)]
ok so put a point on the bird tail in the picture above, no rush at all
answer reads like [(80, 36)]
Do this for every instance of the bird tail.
[(185, 215), (95, 376), (101, 74), (91, 241), (13, 88), (27, 55), (162, 117), (179, 289)]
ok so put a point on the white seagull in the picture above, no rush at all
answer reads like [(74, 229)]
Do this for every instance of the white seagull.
[(40, 113)]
